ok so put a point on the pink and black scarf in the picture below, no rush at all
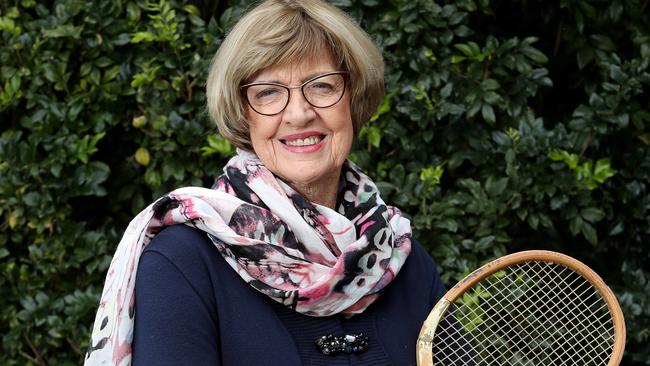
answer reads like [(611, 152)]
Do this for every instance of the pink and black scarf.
[(309, 257)]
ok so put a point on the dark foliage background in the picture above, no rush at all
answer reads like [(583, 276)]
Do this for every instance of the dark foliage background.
[(507, 125)]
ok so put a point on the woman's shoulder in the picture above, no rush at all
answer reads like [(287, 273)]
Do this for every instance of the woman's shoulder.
[(180, 244), (420, 275), (420, 258), (179, 235), (181, 250)]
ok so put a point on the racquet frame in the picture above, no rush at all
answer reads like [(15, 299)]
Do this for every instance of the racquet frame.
[(425, 340)]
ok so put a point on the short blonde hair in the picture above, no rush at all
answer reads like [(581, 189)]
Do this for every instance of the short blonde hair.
[(278, 32)]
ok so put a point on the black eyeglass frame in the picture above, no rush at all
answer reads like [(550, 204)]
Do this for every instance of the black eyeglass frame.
[(245, 87)]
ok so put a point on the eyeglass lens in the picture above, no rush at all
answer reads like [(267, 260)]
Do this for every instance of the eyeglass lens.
[(320, 92)]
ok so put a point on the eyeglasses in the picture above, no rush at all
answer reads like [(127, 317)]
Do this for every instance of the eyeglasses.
[(321, 91)]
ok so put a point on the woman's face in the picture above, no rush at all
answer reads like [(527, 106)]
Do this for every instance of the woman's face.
[(303, 144)]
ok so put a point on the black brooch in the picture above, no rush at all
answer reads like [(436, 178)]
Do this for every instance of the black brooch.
[(349, 343)]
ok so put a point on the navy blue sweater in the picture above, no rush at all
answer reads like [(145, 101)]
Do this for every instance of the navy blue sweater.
[(192, 308)]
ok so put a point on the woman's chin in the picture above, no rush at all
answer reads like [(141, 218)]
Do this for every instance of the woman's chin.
[(305, 177)]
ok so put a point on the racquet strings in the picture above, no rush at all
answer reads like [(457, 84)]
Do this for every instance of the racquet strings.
[(532, 313)]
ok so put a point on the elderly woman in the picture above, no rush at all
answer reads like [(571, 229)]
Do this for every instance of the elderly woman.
[(292, 258)]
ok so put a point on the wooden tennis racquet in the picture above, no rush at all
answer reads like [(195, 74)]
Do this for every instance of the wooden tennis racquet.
[(528, 308)]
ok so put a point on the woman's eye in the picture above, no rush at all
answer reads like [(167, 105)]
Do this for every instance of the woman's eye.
[(267, 93), (321, 87)]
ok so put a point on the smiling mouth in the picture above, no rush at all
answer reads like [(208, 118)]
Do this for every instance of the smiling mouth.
[(308, 141)]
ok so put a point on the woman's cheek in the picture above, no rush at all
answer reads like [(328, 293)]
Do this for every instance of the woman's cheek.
[(344, 147)]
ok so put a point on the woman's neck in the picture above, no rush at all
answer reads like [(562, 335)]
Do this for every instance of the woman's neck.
[(323, 192)]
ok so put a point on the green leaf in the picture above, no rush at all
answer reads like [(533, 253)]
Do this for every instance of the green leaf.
[(31, 199), (431, 175), (584, 56), (492, 98), (592, 214), (501, 138), (489, 84), (133, 12), (488, 113), (384, 107), (603, 42), (28, 303), (111, 73), (533, 221), (448, 224), (617, 74), (95, 76), (445, 92), (615, 10), (217, 145), (485, 242), (589, 233), (192, 9), (142, 156), (465, 49), (535, 55), (144, 36), (374, 136), (457, 59), (545, 220), (9, 26), (603, 170), (575, 225), (66, 30), (495, 186)]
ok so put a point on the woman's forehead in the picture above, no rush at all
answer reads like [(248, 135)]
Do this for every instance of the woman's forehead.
[(297, 71)]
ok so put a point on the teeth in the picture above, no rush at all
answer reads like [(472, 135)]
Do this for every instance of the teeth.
[(304, 142)]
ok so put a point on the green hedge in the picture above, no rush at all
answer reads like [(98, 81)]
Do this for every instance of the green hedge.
[(507, 125)]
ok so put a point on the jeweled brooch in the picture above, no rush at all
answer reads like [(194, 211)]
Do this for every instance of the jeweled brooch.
[(332, 345)]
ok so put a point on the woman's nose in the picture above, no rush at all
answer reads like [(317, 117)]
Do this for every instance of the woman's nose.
[(298, 111)]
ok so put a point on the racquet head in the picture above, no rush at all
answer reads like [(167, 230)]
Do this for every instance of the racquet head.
[(529, 308)]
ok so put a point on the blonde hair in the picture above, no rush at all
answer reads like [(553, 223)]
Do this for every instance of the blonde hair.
[(278, 32)]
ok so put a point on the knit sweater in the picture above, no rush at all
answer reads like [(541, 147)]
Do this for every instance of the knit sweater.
[(192, 308)]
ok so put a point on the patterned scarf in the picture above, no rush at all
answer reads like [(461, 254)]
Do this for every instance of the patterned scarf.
[(308, 257)]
